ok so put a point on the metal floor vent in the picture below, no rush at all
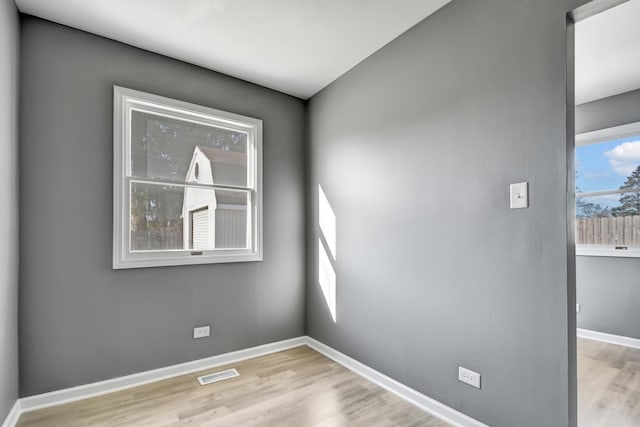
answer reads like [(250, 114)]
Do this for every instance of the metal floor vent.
[(218, 376)]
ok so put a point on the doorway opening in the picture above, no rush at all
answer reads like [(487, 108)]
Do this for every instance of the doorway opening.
[(605, 44)]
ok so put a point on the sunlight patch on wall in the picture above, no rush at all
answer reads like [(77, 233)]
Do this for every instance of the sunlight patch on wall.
[(326, 246), (327, 222), (327, 279)]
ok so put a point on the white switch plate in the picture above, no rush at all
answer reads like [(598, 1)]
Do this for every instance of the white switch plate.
[(577, 308), (469, 377), (519, 195), (201, 332)]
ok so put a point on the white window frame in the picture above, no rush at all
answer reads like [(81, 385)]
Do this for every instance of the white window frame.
[(125, 101), (595, 137)]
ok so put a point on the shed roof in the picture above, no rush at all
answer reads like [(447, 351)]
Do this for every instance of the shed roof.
[(217, 155), (227, 167)]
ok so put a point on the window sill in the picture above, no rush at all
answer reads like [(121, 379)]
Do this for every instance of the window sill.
[(168, 261), (607, 251)]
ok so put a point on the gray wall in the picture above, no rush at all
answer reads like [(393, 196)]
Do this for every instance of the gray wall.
[(415, 149), (608, 288), (80, 320), (9, 47), (608, 112), (608, 293)]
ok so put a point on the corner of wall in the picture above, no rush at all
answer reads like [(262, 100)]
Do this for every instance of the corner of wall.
[(9, 66)]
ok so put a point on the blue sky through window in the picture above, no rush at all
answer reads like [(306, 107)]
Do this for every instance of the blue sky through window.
[(605, 166)]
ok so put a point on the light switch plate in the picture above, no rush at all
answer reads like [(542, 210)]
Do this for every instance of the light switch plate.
[(519, 195)]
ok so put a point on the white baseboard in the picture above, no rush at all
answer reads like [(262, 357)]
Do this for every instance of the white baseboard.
[(59, 397), (609, 338), (73, 394), (410, 395), (13, 416)]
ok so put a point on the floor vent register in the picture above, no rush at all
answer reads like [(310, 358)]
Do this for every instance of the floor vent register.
[(218, 376)]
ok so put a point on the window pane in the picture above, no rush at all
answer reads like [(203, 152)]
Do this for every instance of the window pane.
[(182, 151), (607, 165), (156, 217), (608, 220), (166, 217)]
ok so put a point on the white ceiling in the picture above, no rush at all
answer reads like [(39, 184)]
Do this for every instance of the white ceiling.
[(294, 46), (608, 53)]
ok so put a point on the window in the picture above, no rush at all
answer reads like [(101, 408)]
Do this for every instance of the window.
[(187, 183), (608, 192)]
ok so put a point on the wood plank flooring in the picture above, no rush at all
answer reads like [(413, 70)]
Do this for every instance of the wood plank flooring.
[(608, 385), (297, 387)]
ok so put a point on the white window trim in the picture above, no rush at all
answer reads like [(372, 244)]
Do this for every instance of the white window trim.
[(595, 137), (608, 251), (607, 134), (126, 100)]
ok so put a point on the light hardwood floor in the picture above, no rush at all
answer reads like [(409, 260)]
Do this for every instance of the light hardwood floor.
[(297, 387), (608, 385)]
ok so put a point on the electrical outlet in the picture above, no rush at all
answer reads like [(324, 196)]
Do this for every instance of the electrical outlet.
[(469, 377), (201, 332)]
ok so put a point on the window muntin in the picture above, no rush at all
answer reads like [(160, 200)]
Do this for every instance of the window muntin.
[(187, 183), (608, 192)]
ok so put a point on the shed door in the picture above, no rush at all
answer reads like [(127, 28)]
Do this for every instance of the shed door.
[(200, 229)]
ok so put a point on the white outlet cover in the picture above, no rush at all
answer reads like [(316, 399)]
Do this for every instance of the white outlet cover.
[(201, 332), (519, 195), (469, 377)]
